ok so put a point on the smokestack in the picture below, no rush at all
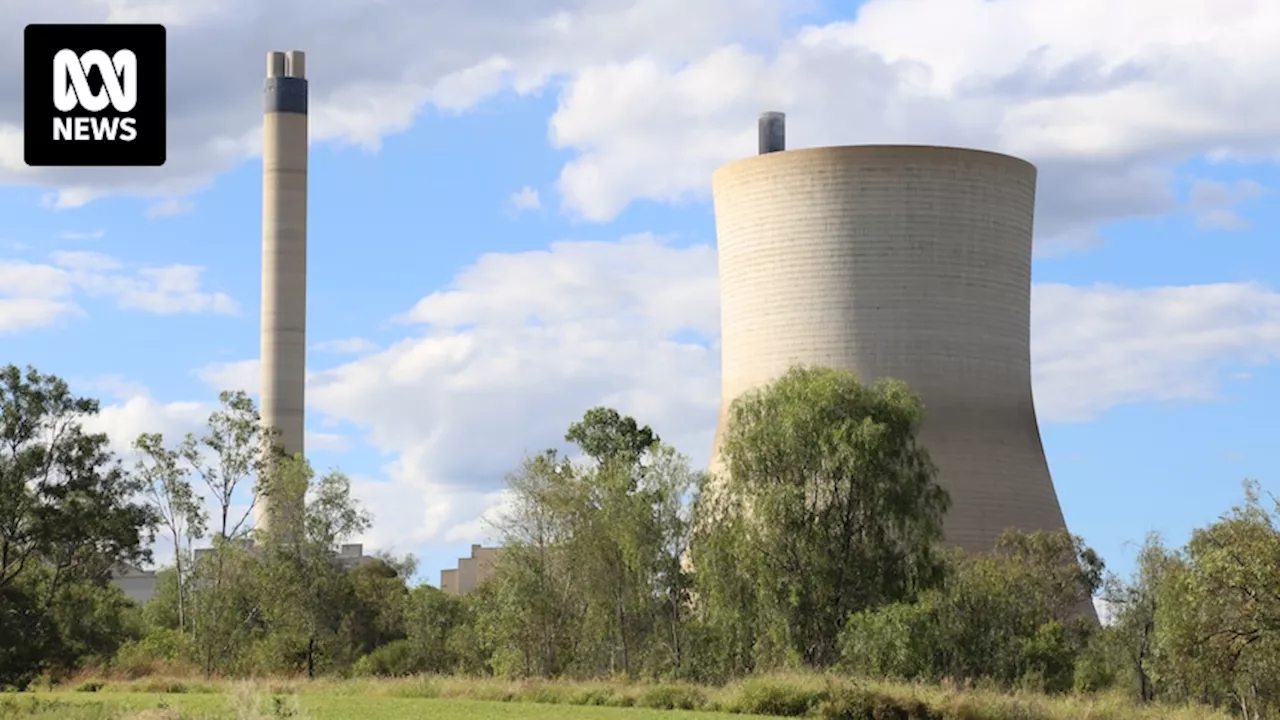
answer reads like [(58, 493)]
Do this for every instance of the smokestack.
[(773, 132), (284, 255)]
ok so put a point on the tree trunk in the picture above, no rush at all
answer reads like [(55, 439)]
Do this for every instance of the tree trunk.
[(622, 636), (675, 626), (311, 657), (177, 568), (1144, 682)]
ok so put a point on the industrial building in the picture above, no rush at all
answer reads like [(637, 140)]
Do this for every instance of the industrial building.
[(137, 584), (908, 262), (471, 571)]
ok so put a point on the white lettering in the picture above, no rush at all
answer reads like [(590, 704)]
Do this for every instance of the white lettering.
[(119, 81), (95, 128)]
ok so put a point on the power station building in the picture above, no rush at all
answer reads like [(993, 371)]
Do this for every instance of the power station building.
[(471, 572), (908, 262)]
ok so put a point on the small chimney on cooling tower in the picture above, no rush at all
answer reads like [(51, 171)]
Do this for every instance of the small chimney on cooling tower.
[(773, 132)]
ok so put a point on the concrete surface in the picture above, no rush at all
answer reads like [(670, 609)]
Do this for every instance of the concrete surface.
[(898, 261), (284, 256)]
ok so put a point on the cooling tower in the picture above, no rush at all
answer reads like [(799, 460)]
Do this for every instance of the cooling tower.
[(284, 254), (904, 262)]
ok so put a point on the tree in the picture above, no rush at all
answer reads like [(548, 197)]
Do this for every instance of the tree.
[(380, 604), (1219, 613), (1011, 616), (834, 504), (309, 590), (228, 455), (432, 620), (180, 510), (623, 506), (68, 513), (528, 618), (605, 435), (1137, 604)]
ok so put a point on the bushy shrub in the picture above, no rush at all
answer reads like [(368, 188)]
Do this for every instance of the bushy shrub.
[(896, 641), (672, 697), (395, 659), (774, 697), (160, 649), (1010, 618)]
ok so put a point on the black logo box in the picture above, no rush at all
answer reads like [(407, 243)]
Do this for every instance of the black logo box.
[(41, 43)]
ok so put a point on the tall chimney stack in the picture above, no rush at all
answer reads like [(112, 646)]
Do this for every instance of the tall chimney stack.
[(284, 256)]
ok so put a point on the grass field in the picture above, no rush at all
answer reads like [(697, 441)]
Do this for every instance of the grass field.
[(450, 698), (157, 706)]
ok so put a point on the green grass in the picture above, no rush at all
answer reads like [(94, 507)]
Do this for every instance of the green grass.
[(812, 695), (157, 706)]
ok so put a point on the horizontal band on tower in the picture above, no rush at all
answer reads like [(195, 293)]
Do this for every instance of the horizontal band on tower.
[(285, 94)]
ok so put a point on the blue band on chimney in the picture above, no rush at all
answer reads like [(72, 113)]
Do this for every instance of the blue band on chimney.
[(285, 94)]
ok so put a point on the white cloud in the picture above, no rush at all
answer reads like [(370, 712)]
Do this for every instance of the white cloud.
[(84, 261), (171, 290), (346, 346), (1213, 202), (1105, 103), (376, 65), (1101, 346), (139, 413), (520, 345), (93, 235), (21, 279), (327, 442), (117, 386), (35, 294), (20, 314), (657, 93), (168, 208), (242, 375), (526, 198)]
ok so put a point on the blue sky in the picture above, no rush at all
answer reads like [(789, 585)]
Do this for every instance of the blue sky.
[(1156, 325)]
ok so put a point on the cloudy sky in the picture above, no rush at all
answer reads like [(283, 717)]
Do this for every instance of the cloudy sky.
[(510, 223)]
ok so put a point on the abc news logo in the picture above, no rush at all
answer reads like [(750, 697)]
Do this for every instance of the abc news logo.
[(107, 105), (71, 90)]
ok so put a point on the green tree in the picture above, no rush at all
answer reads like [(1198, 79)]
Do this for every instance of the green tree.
[(1011, 616), (590, 579), (380, 604), (68, 515), (1137, 604), (833, 503), (228, 456), (529, 620), (627, 522), (1218, 618), (605, 435), (180, 510), (309, 595), (432, 620)]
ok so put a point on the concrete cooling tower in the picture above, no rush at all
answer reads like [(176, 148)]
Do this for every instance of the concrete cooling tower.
[(896, 261)]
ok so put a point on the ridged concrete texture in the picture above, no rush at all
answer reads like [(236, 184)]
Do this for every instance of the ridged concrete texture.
[(905, 262), (284, 257)]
